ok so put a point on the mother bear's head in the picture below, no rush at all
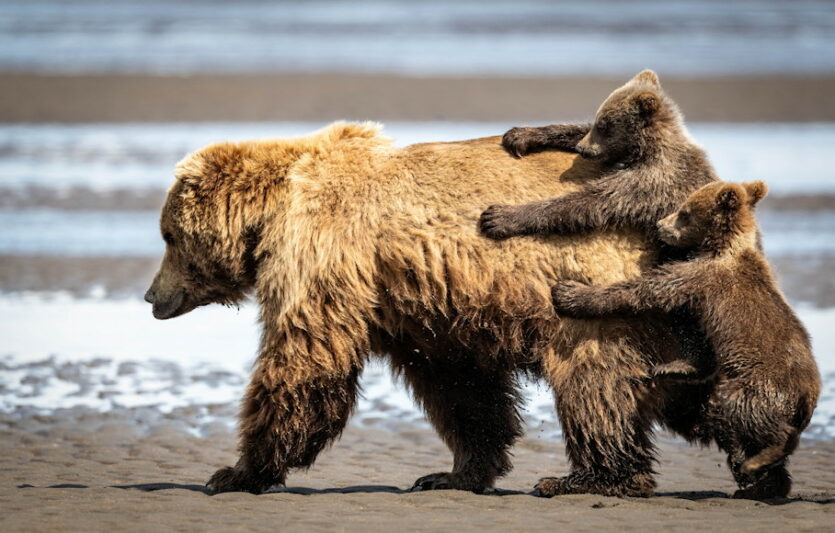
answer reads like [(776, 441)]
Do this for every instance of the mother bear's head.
[(215, 213), (209, 249)]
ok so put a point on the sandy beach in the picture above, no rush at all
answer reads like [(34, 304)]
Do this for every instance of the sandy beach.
[(292, 97), (138, 470)]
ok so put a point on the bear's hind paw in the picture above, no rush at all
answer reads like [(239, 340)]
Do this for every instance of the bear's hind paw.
[(446, 481), (233, 479)]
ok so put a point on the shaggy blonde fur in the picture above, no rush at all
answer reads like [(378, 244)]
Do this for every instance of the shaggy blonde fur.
[(354, 246)]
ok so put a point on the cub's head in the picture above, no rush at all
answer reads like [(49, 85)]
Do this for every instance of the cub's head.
[(209, 238), (630, 122), (713, 217)]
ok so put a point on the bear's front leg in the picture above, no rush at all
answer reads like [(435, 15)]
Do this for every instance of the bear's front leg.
[(285, 426), (525, 140)]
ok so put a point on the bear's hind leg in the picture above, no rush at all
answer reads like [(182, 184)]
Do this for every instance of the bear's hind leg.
[(474, 409), (605, 404)]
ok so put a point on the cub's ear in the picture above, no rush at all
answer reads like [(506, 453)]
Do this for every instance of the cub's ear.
[(647, 103), (648, 77), (756, 191), (728, 198)]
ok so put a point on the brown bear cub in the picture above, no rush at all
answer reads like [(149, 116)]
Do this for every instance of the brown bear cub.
[(650, 166), (767, 382)]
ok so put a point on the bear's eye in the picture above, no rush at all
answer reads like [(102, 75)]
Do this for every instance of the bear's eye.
[(684, 217), (168, 238), (604, 128)]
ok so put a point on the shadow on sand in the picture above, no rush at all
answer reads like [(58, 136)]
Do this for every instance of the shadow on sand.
[(822, 499)]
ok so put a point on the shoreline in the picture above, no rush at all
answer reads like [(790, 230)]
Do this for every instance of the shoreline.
[(44, 98)]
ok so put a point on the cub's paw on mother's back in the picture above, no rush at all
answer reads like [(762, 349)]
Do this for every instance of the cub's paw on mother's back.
[(520, 142), (500, 222), (567, 297)]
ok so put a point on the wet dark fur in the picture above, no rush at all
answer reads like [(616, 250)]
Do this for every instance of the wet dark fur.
[(767, 383)]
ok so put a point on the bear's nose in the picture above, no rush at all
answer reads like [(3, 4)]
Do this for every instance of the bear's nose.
[(150, 295)]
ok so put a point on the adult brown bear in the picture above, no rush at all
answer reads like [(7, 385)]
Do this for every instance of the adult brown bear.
[(354, 246)]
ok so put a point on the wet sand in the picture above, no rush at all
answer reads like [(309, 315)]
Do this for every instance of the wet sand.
[(325, 97), (83, 470)]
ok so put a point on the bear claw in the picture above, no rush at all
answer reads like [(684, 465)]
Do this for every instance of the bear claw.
[(438, 481), (497, 222)]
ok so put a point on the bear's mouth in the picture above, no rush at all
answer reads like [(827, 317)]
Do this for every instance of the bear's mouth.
[(171, 307)]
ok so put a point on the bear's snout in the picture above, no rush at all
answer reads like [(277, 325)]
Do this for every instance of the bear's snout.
[(167, 302), (587, 150), (168, 306)]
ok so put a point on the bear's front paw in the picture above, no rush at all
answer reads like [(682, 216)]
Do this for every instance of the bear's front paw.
[(500, 222), (519, 142), (235, 479), (565, 296)]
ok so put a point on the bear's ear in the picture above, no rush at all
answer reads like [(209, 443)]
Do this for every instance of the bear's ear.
[(728, 198), (647, 77), (647, 103), (756, 191)]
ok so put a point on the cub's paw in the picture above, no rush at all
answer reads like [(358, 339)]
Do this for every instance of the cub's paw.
[(234, 479), (520, 141), (565, 296), (776, 483), (758, 493), (500, 222)]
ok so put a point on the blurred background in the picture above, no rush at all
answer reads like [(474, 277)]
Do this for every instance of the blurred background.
[(100, 98)]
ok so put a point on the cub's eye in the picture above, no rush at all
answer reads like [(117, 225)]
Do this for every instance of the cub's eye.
[(684, 217), (603, 126), (168, 238)]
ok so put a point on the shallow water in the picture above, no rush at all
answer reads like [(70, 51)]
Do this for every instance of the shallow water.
[(532, 37), (792, 158), (106, 354)]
